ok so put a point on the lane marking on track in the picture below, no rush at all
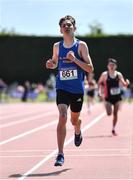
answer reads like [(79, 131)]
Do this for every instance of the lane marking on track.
[(88, 179), (22, 110), (53, 153), (17, 114), (29, 132), (66, 155), (28, 119), (66, 150)]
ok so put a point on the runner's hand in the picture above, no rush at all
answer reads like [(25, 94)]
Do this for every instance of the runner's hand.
[(70, 56), (127, 81), (50, 64), (101, 95)]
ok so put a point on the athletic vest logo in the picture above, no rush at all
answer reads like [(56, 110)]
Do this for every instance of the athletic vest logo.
[(79, 100)]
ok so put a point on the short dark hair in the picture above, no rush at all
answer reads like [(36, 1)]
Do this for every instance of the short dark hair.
[(67, 17), (111, 60)]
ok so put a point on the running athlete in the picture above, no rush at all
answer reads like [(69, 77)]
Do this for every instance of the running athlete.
[(110, 83), (91, 90), (72, 57)]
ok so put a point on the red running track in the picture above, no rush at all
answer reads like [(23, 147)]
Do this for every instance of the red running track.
[(28, 144)]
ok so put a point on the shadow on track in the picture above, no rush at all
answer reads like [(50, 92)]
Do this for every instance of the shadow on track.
[(55, 173)]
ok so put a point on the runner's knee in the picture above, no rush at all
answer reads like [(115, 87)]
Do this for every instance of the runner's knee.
[(63, 116), (74, 121), (109, 113)]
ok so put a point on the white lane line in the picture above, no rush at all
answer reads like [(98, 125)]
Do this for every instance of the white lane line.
[(86, 179), (67, 155), (32, 118), (29, 132), (23, 112), (27, 119), (49, 156), (17, 114), (103, 149), (66, 150)]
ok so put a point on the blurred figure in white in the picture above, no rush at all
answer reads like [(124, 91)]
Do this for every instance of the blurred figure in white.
[(91, 87), (50, 88), (3, 87)]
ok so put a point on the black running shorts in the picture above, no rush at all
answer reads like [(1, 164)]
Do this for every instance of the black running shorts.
[(75, 101), (113, 100)]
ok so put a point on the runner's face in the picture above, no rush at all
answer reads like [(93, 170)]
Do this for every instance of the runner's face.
[(112, 66), (67, 27)]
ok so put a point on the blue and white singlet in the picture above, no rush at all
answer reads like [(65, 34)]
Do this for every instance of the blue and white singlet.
[(70, 76)]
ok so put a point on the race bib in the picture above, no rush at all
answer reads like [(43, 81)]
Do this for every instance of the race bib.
[(115, 91), (68, 74)]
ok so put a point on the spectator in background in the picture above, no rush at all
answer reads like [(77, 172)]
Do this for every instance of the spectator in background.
[(26, 87), (3, 87), (50, 87), (91, 87)]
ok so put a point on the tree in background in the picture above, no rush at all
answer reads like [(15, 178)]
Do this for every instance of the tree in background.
[(96, 29), (4, 31)]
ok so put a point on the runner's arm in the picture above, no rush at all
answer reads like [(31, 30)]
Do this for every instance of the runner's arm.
[(52, 63), (122, 80), (101, 83), (84, 53)]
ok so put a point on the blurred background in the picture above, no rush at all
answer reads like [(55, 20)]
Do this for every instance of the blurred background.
[(28, 29)]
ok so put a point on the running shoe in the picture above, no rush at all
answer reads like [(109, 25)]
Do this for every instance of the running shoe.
[(78, 139), (59, 160), (114, 133)]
